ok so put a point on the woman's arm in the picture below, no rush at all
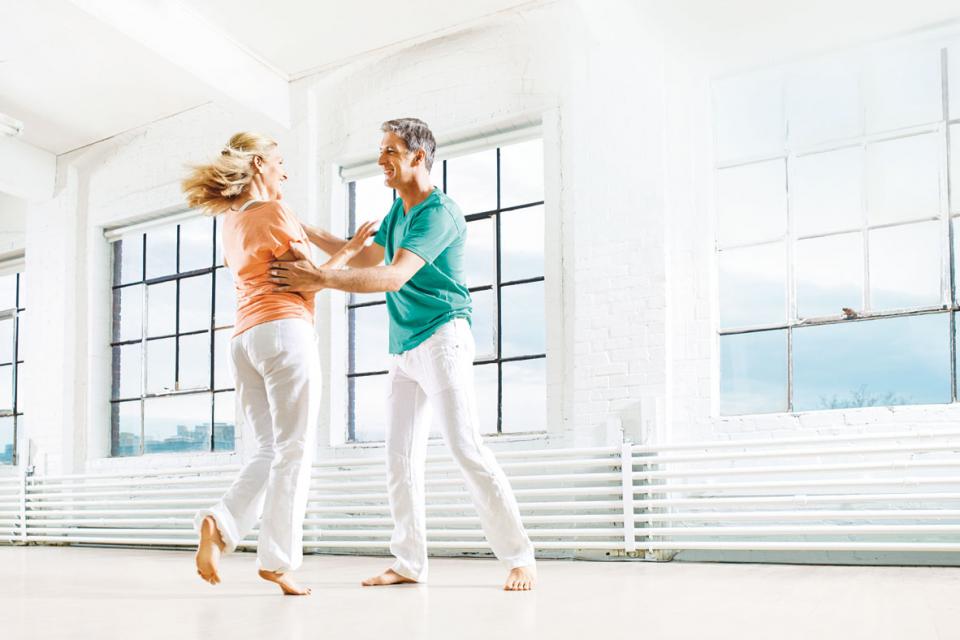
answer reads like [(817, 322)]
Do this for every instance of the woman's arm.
[(365, 256), (352, 247)]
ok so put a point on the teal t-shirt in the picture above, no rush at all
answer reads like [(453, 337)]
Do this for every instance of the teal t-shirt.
[(436, 231)]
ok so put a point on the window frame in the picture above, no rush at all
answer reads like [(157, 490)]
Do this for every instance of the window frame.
[(947, 213), (211, 329), (497, 287), (15, 412)]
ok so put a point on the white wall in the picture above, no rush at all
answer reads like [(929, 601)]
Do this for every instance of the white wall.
[(625, 117)]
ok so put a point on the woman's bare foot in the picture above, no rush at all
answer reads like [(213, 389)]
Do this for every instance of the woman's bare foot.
[(209, 550), (288, 586), (520, 579), (387, 578)]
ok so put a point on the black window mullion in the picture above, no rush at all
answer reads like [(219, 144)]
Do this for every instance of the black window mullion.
[(212, 335), (498, 305)]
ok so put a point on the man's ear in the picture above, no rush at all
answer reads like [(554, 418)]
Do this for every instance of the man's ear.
[(419, 157)]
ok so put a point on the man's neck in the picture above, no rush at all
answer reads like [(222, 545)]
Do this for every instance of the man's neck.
[(412, 194)]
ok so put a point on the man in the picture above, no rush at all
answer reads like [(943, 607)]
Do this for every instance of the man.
[(421, 243)]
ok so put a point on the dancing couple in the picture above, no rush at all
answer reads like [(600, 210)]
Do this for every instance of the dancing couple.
[(416, 257)]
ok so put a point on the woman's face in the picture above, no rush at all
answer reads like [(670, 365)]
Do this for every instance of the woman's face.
[(272, 173)]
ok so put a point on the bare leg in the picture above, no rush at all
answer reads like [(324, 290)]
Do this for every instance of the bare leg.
[(288, 586), (209, 550), (520, 579), (386, 579)]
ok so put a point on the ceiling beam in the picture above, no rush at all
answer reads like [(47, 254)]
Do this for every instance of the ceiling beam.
[(26, 171), (180, 35)]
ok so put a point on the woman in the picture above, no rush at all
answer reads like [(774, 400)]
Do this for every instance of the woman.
[(274, 357)]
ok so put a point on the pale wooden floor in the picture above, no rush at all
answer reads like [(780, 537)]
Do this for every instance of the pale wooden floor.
[(100, 594)]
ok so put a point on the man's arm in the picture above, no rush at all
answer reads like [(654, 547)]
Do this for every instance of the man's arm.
[(302, 276), (331, 245)]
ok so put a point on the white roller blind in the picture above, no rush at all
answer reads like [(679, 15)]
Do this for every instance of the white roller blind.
[(450, 150), (113, 234)]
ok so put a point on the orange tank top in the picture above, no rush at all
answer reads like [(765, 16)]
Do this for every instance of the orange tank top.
[(253, 238)]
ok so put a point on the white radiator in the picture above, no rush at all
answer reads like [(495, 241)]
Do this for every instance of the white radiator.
[(893, 492)]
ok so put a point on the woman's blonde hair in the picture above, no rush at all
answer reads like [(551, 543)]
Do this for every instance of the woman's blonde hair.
[(214, 187)]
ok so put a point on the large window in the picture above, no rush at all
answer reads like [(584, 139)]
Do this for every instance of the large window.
[(500, 191), (173, 312), (836, 243), (12, 307)]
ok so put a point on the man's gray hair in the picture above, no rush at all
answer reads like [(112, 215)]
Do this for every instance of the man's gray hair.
[(415, 134)]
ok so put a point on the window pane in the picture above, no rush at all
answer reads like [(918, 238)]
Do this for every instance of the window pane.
[(195, 362), (226, 310), (6, 440), (224, 422), (826, 192), (752, 203), (127, 371), (128, 313), (162, 252), (749, 116), (195, 303), (367, 397), (222, 372), (525, 396), (753, 373), (177, 423), (6, 340), (125, 417), (361, 298), (8, 291), (521, 173), (902, 88), (824, 103), (872, 363), (903, 179), (160, 365), (218, 239), (162, 309), (22, 382), (373, 199), (128, 254), (905, 266), (485, 384), (955, 164), (484, 323), (521, 244), (196, 244), (523, 320), (955, 223), (480, 258), (472, 181), (753, 285), (6, 387), (369, 343), (829, 274)]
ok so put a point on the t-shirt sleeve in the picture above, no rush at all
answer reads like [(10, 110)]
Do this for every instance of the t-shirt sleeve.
[(281, 229), (381, 236), (430, 233)]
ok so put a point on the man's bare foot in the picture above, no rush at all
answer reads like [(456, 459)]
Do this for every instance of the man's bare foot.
[(208, 551), (387, 578), (288, 586), (520, 579)]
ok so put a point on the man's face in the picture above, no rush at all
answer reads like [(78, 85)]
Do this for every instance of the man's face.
[(398, 163)]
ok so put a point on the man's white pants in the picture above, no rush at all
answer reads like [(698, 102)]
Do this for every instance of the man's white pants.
[(277, 374), (438, 375)]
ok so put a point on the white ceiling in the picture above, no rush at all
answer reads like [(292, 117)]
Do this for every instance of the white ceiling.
[(74, 79), (298, 37)]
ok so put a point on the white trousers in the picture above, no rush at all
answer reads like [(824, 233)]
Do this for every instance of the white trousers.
[(277, 374), (438, 375)]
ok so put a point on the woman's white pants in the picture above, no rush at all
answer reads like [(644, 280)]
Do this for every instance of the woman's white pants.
[(438, 375), (277, 374)]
